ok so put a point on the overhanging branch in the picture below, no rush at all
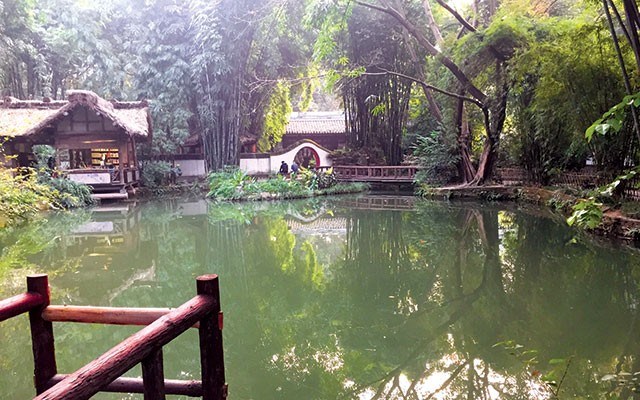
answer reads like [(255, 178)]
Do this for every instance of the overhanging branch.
[(456, 15), (431, 87), (431, 49)]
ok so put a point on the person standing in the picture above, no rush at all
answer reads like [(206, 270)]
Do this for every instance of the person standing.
[(294, 167), (284, 168)]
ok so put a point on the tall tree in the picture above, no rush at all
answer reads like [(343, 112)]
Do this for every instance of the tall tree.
[(376, 103), (480, 80)]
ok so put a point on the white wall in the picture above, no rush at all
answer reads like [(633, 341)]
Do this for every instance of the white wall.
[(192, 167), (256, 164), (287, 157)]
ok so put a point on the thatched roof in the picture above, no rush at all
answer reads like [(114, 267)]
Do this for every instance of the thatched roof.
[(29, 117), (316, 123)]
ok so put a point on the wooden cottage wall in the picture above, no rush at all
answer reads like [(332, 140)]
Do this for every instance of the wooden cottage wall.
[(85, 129)]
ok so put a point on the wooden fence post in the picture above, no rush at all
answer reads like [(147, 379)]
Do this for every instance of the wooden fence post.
[(44, 355), (153, 376), (211, 355)]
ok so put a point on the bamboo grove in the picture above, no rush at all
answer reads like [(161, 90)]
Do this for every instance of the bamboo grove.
[(459, 87)]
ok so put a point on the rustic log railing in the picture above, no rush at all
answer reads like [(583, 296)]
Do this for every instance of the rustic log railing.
[(375, 173), (104, 373)]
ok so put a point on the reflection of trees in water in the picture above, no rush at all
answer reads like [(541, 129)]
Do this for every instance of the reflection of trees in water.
[(419, 296), (472, 296), (413, 305)]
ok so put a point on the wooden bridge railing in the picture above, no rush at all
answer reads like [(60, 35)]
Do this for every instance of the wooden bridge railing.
[(145, 347), (375, 173)]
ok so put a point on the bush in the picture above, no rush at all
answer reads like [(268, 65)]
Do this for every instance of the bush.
[(229, 184), (69, 194), (236, 185), (439, 158), (21, 198), (65, 193), (155, 173)]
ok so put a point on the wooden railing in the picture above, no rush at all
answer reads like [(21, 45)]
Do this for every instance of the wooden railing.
[(104, 373), (102, 176), (375, 173), (380, 202)]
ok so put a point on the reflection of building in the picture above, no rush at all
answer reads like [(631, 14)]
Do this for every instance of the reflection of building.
[(110, 231), (319, 226), (94, 139), (111, 223), (108, 253)]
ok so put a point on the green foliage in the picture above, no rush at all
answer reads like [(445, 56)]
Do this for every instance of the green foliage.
[(317, 179), (155, 173), (67, 193), (613, 120), (438, 156), (228, 185), (26, 193), (237, 185), (587, 213), (276, 117), (560, 86), (22, 198)]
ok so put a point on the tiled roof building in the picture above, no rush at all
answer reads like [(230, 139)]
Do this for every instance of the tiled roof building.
[(324, 128)]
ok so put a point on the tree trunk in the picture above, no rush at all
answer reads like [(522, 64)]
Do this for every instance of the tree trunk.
[(494, 116), (633, 20), (465, 167)]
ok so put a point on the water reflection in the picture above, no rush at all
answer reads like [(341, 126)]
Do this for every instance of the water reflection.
[(363, 297)]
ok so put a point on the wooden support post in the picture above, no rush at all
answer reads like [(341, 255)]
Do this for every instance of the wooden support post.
[(44, 356), (153, 376), (96, 375), (211, 355)]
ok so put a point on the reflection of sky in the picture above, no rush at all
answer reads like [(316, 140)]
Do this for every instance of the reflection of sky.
[(438, 383)]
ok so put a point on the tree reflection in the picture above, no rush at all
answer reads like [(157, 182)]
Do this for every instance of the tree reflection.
[(324, 301)]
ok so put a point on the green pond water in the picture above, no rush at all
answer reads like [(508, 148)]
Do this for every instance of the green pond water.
[(364, 297)]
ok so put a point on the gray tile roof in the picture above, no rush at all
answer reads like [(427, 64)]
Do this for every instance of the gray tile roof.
[(316, 123)]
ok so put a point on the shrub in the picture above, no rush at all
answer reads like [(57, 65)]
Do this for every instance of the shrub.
[(65, 193), (25, 194), (155, 173), (438, 157), (235, 185), (229, 184)]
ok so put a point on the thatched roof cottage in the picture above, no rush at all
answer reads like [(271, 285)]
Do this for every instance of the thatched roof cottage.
[(95, 139)]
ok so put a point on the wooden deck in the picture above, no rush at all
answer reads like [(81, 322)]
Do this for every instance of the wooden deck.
[(376, 173)]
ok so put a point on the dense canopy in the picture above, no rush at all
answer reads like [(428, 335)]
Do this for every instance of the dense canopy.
[(461, 87)]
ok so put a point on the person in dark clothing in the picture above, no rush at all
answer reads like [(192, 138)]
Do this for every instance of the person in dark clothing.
[(284, 168), (294, 167)]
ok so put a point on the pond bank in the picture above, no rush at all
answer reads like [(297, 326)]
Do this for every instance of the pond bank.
[(615, 224)]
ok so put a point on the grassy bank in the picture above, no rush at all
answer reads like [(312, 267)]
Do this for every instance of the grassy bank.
[(238, 186), (24, 197)]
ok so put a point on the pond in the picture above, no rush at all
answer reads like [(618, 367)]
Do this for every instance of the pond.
[(360, 297)]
